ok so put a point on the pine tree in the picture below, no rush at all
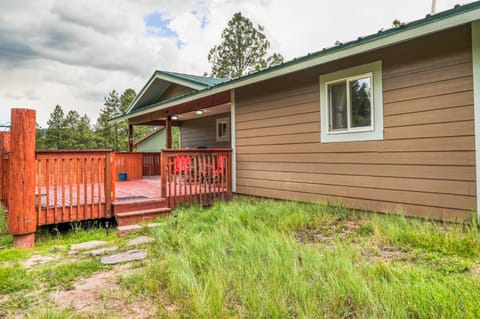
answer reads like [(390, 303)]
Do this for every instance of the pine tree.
[(71, 123), (85, 137), (242, 51), (56, 131), (106, 131)]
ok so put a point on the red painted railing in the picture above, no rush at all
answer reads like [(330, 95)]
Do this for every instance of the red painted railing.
[(4, 149), (137, 164), (151, 164), (202, 175), (73, 185), (4, 179), (130, 164)]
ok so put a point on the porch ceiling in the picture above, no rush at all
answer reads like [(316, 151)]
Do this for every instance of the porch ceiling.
[(214, 104)]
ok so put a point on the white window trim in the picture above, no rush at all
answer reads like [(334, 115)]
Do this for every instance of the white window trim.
[(374, 132), (349, 111), (226, 138)]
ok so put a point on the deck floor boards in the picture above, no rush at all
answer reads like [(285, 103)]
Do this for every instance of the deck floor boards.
[(148, 187)]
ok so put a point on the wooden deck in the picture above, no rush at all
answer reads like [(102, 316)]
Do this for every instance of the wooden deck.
[(147, 187), (72, 186)]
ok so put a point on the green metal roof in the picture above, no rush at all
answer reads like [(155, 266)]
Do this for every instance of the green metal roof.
[(202, 80), (304, 60)]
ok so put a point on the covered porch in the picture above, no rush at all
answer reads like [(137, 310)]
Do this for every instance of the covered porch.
[(199, 168)]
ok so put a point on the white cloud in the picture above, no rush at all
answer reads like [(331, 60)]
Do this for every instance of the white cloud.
[(73, 53)]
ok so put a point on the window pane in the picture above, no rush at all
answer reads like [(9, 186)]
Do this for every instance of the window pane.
[(224, 130), (338, 106), (361, 102)]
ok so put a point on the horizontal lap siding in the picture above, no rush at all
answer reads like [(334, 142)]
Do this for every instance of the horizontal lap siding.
[(201, 132), (425, 165)]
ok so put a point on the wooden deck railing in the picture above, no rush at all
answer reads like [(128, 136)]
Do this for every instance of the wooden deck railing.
[(137, 164), (201, 175), (4, 150), (151, 164), (129, 163), (73, 185), (4, 179)]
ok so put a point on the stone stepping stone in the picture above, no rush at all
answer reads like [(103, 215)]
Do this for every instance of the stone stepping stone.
[(86, 245), (127, 256), (140, 240), (101, 251), (128, 229), (38, 260)]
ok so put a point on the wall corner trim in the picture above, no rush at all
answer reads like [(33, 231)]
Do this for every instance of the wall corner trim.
[(233, 140), (476, 102)]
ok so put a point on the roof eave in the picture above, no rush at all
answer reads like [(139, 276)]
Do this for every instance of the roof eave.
[(415, 30)]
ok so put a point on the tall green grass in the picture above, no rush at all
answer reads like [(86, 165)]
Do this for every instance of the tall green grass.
[(242, 259), (5, 238)]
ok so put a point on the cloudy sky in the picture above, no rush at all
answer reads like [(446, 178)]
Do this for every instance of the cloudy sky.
[(72, 53)]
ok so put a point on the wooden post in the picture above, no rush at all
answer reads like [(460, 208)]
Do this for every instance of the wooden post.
[(22, 220), (130, 137), (168, 128), (113, 177), (163, 174), (109, 182), (4, 148), (5, 141), (229, 175)]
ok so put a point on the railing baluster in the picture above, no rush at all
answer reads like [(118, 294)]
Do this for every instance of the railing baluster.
[(62, 193), (39, 189), (99, 186), (70, 188)]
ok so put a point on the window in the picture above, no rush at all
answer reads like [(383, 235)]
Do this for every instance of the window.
[(223, 131), (351, 104)]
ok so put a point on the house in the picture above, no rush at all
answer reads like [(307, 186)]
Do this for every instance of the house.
[(152, 142), (387, 122)]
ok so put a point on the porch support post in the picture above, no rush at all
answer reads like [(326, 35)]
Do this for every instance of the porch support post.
[(130, 137), (168, 129), (22, 218)]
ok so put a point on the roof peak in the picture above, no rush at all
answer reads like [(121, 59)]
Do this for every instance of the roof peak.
[(202, 80)]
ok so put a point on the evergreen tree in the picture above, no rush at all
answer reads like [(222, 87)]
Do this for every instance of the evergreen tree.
[(106, 131), (40, 138), (85, 137), (55, 133), (242, 51), (71, 123)]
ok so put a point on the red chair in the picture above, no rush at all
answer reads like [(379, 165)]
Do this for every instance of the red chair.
[(182, 166), (212, 172)]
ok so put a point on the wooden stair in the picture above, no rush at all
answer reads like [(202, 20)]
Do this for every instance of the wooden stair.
[(139, 210)]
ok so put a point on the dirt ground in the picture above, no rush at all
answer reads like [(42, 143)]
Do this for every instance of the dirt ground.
[(100, 295)]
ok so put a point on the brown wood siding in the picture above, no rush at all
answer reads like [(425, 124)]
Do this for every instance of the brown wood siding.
[(202, 132), (425, 166)]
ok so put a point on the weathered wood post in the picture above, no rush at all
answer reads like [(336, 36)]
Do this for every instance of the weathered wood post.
[(168, 130), (22, 221), (4, 148), (130, 137)]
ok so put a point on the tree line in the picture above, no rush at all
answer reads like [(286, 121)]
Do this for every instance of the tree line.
[(75, 131)]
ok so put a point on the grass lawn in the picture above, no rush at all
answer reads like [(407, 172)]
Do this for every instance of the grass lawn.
[(253, 258)]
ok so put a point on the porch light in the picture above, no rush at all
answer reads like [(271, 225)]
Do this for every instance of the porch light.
[(199, 112), (174, 117)]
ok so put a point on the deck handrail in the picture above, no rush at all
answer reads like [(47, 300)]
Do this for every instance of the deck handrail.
[(73, 185), (196, 175)]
